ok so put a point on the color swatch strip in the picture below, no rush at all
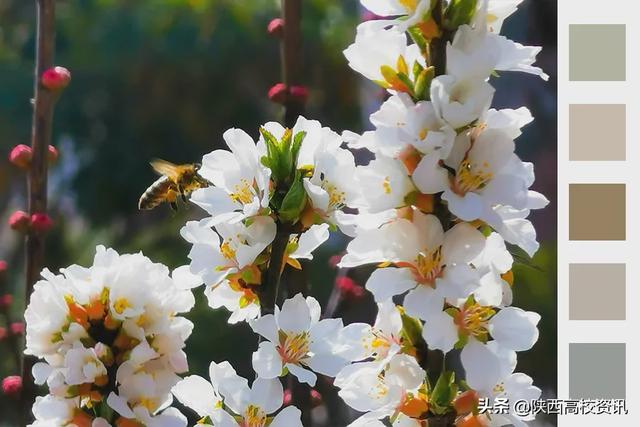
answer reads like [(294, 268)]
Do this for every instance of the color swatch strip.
[(598, 174)]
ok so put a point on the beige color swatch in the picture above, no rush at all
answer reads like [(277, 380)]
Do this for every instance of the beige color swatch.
[(597, 132), (597, 52), (597, 212), (597, 291)]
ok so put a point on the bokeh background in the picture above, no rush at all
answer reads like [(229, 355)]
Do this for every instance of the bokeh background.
[(165, 78)]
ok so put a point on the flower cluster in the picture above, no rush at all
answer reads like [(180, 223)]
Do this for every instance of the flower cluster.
[(301, 177), (450, 194), (111, 340)]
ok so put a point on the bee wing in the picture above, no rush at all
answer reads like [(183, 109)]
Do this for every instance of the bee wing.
[(167, 169)]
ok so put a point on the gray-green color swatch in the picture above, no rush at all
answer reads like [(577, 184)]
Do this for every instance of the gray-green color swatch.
[(597, 371), (597, 52)]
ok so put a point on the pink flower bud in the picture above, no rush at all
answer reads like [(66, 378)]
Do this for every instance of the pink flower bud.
[(20, 156), (287, 397), (316, 398), (12, 386), (3, 333), (17, 329), (335, 260), (5, 301), (349, 288), (3, 266), (278, 93), (19, 221), (299, 94), (41, 222), (52, 156), (276, 27), (56, 78)]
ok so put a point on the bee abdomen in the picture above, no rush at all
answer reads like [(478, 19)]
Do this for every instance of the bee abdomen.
[(156, 193)]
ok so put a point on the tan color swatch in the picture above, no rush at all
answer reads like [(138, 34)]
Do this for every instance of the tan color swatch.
[(597, 132), (597, 212), (597, 52), (597, 291)]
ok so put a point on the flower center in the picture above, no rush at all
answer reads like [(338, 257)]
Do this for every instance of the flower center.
[(293, 347), (471, 177), (498, 388), (428, 266), (254, 417), (242, 192), (121, 304), (336, 197), (473, 320), (386, 185), (227, 250), (410, 5)]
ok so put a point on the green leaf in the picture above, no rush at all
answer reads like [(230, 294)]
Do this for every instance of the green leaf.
[(294, 201), (443, 393), (459, 12), (418, 38), (297, 143), (411, 329)]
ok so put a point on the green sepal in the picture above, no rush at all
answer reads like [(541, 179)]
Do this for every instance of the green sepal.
[(459, 12), (443, 393), (423, 83)]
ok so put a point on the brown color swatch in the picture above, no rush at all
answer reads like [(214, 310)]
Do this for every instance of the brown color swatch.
[(597, 132), (597, 292), (597, 212)]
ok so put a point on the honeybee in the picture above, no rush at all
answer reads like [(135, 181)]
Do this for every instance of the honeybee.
[(176, 181)]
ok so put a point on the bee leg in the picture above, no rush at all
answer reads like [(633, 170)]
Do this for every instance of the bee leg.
[(183, 194), (174, 206)]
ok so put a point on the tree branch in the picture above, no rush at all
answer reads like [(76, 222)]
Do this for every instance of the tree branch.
[(291, 56), (44, 101)]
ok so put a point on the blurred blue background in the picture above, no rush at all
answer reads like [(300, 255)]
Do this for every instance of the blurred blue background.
[(165, 78)]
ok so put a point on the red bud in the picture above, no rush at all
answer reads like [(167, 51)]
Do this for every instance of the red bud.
[(52, 156), (299, 94), (41, 222), (3, 266), (12, 386), (316, 398), (278, 93), (20, 156), (17, 329), (349, 288), (287, 397), (19, 221), (3, 333), (276, 27), (5, 301), (56, 78), (335, 260)]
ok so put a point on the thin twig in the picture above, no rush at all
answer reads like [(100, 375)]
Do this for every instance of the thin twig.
[(44, 101), (291, 56)]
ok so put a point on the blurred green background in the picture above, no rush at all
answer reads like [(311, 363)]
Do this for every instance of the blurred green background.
[(165, 78)]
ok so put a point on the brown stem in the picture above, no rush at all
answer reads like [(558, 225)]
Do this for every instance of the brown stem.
[(40, 140), (291, 60), (271, 280), (291, 56), (438, 46)]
